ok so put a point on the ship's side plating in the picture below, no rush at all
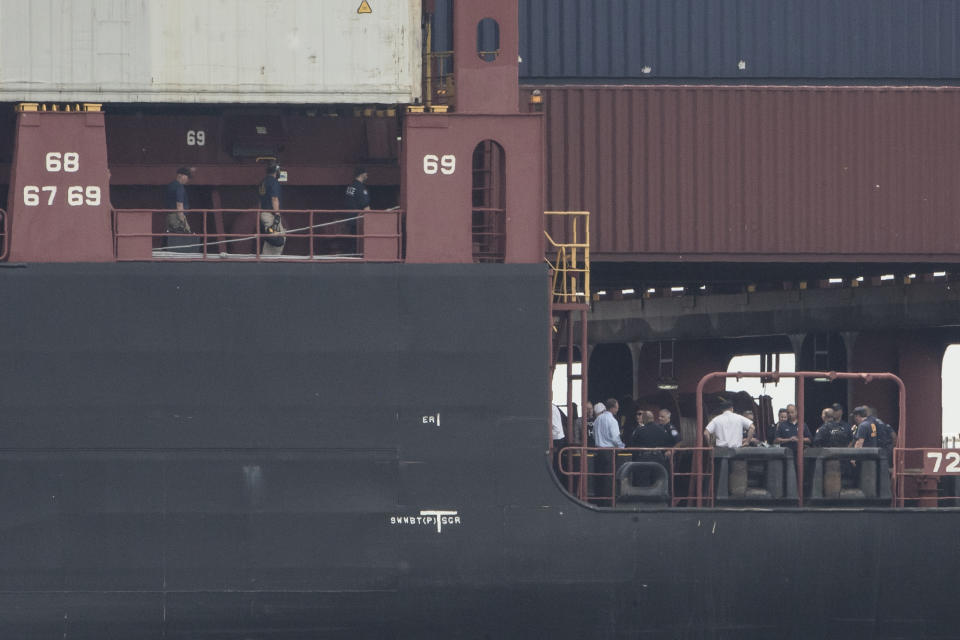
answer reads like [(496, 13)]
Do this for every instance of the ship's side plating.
[(242, 448)]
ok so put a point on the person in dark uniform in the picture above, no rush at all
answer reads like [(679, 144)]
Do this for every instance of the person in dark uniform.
[(663, 419), (782, 417), (788, 432), (356, 199), (865, 431), (357, 194), (271, 225), (649, 435), (832, 433), (835, 433), (637, 423), (176, 202), (838, 415), (886, 435)]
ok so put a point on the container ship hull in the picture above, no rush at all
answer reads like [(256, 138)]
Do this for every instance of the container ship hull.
[(281, 451)]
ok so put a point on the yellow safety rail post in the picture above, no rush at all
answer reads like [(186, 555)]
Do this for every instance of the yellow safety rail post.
[(569, 305), (571, 268)]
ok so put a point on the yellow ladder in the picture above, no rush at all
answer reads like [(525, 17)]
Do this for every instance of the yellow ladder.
[(571, 268)]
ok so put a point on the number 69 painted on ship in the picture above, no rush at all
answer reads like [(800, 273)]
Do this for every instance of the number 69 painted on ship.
[(445, 164)]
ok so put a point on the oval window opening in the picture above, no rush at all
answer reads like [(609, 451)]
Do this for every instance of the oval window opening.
[(488, 39)]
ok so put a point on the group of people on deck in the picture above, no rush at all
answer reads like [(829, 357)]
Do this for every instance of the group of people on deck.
[(733, 430), (726, 429), (177, 203), (656, 433)]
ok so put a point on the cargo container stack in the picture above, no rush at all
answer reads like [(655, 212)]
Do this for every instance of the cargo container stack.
[(739, 147)]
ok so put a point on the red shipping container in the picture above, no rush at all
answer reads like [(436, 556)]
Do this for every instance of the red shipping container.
[(720, 173)]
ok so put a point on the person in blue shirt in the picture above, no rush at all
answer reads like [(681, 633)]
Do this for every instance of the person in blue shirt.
[(356, 199), (606, 429), (606, 434), (271, 225), (831, 433), (865, 431), (772, 429), (788, 432), (176, 202), (886, 435), (357, 194)]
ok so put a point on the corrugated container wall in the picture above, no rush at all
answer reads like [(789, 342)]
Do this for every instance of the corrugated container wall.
[(616, 40), (296, 51), (758, 173)]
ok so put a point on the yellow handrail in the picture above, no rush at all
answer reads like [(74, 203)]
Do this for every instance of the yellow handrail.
[(571, 269)]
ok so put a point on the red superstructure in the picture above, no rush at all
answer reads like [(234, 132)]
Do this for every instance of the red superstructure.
[(467, 182)]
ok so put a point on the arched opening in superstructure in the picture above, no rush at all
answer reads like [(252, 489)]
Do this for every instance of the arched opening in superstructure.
[(950, 380), (489, 237), (769, 394), (610, 373), (488, 39)]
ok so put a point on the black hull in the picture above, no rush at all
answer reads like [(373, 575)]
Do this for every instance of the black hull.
[(234, 451)]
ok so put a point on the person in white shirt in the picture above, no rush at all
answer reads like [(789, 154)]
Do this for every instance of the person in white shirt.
[(559, 441), (556, 426), (728, 427), (606, 429), (606, 434)]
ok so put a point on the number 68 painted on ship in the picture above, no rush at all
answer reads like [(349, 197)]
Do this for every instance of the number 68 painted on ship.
[(68, 162)]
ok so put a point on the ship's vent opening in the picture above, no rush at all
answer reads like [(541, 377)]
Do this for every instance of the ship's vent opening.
[(489, 203), (488, 39)]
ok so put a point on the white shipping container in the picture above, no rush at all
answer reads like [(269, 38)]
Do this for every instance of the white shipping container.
[(210, 51)]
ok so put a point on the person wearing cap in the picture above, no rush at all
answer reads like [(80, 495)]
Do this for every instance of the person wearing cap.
[(176, 202), (271, 226), (357, 198), (865, 430)]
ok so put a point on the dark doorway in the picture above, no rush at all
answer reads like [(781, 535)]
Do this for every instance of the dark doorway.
[(489, 203)]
